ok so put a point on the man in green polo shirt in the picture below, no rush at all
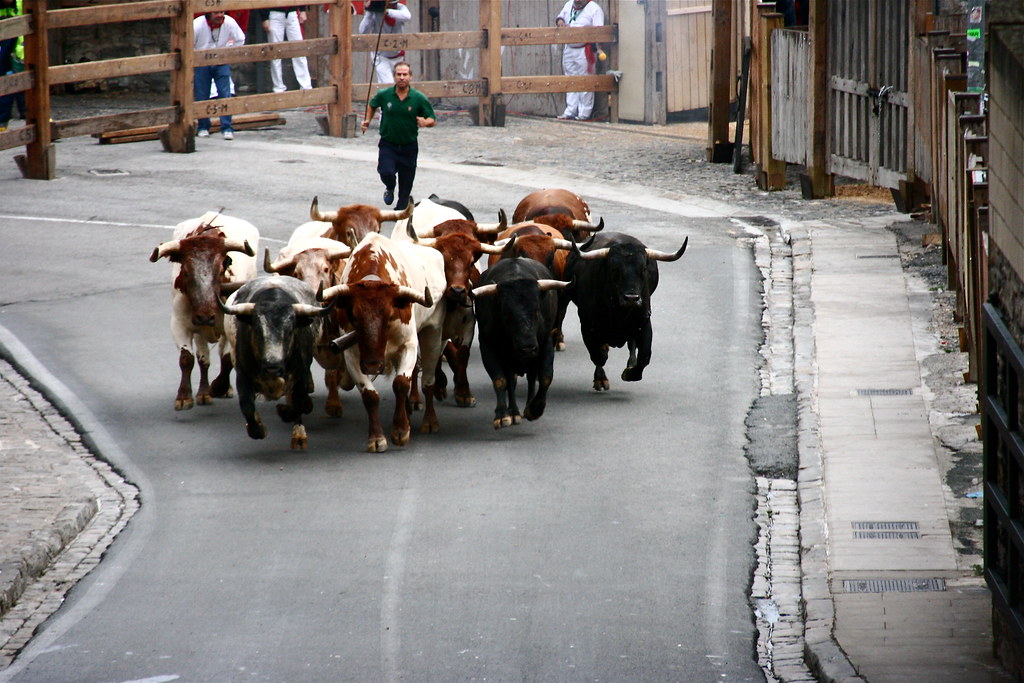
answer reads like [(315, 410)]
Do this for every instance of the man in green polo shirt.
[(404, 110)]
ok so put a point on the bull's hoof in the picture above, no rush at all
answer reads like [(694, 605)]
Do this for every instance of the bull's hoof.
[(601, 385), (400, 437), (430, 426), (376, 444), (532, 413), (184, 403), (632, 375), (221, 389), (299, 440), (501, 422), (204, 400), (466, 401), (334, 409), (440, 391), (415, 405), (256, 430), (517, 419), (560, 346)]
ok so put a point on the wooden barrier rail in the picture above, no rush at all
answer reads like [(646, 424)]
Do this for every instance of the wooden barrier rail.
[(338, 94)]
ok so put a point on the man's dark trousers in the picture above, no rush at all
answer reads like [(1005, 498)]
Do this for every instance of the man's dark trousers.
[(398, 160)]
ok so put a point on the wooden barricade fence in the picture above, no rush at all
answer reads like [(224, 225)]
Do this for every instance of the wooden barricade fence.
[(338, 94)]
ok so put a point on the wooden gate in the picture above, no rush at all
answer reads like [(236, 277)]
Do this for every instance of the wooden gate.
[(688, 54), (868, 92)]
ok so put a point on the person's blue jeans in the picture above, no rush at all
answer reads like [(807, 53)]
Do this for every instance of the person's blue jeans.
[(204, 76)]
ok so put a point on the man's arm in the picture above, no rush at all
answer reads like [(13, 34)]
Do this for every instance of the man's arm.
[(370, 111)]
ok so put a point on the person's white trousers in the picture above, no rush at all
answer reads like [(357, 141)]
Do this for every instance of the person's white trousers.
[(574, 63), (286, 25), (385, 67)]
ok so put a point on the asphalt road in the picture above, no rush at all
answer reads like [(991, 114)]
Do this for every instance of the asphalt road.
[(609, 540)]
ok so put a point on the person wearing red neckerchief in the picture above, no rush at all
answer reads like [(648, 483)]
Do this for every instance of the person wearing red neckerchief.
[(578, 59), (394, 16), (280, 24)]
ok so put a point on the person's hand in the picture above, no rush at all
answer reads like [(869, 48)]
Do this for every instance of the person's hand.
[(559, 22), (266, 25), (302, 17), (366, 124)]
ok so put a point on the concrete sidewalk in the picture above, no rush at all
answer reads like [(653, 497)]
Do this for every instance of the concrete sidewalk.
[(879, 565)]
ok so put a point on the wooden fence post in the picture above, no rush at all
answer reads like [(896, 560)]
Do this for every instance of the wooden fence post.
[(179, 135), (771, 173), (818, 182), (719, 149), (492, 108), (40, 159), (341, 120)]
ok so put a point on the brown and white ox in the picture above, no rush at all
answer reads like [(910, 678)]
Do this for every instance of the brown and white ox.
[(392, 293), (212, 256), (461, 248), (428, 215), (319, 262), (350, 224), (554, 202)]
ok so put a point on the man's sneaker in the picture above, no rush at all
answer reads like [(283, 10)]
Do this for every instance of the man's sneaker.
[(203, 133), (389, 196), (228, 135)]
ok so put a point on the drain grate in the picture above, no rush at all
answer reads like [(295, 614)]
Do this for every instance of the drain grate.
[(107, 171), (878, 255), (895, 531), (893, 585), (885, 392)]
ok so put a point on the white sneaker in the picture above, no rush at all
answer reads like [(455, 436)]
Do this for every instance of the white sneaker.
[(228, 135), (203, 134)]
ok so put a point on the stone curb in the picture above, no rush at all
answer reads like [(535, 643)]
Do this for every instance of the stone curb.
[(821, 651)]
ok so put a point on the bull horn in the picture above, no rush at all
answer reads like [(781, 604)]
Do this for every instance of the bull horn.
[(494, 228), (268, 267), (411, 231), (165, 249), (340, 251), (427, 241), (563, 244), (595, 255), (237, 309), (665, 255), (335, 292), (397, 215), (483, 290), (309, 310), (343, 342), (547, 285), (492, 249), (314, 212), (510, 244), (242, 246), (587, 225), (425, 299), (231, 286)]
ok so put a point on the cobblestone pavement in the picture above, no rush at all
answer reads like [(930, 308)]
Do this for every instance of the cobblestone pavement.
[(668, 158)]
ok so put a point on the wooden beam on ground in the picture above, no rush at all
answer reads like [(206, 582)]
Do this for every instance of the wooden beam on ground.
[(240, 122)]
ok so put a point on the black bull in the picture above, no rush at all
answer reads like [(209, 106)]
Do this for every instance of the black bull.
[(516, 305), (276, 321), (613, 279)]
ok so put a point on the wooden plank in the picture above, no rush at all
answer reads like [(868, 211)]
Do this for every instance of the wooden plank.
[(556, 84), (545, 35), (112, 14), (178, 136), (15, 26), (264, 102), (469, 88), (447, 40), (18, 82), (261, 52), (341, 120), (17, 137), (69, 128), (40, 161), (240, 122), (113, 68)]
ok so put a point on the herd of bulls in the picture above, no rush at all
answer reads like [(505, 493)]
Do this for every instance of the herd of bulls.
[(363, 305)]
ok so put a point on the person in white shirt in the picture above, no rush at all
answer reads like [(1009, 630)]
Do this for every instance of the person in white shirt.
[(394, 16), (285, 23), (578, 60), (214, 29)]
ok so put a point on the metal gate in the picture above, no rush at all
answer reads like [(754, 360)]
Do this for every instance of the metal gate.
[(868, 98)]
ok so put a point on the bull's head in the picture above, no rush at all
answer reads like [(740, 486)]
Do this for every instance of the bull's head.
[(519, 303), (628, 271), (460, 252), (316, 264), (202, 258), (353, 223), (373, 307)]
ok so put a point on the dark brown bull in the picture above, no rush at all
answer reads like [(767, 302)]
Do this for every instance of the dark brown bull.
[(553, 202), (461, 248), (350, 224)]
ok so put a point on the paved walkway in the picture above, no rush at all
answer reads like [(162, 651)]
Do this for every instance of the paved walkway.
[(872, 561)]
